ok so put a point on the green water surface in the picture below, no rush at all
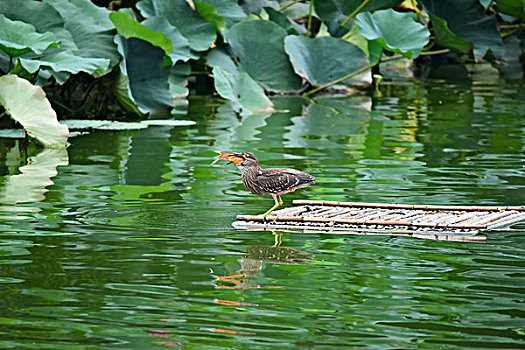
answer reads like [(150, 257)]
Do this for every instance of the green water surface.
[(132, 247)]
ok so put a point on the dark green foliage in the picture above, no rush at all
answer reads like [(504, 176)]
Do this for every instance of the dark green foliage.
[(262, 45)]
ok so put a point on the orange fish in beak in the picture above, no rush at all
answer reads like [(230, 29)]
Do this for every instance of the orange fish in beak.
[(231, 157)]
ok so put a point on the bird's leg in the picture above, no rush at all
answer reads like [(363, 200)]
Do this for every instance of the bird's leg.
[(277, 204), (277, 238)]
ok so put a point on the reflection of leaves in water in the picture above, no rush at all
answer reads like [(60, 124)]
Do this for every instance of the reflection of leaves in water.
[(30, 185)]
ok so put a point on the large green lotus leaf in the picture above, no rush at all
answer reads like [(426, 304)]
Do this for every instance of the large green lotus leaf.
[(181, 46), (229, 10), (178, 80), (259, 47), (372, 48), (129, 28), (446, 38), (338, 10), (98, 15), (40, 14), (18, 38), (467, 20), (199, 32), (28, 105), (82, 28), (209, 13), (246, 96), (143, 63), (395, 31), (219, 57), (66, 61), (281, 19), (82, 21), (514, 8), (323, 60)]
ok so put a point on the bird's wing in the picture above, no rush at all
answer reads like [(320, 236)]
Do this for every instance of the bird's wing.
[(281, 180)]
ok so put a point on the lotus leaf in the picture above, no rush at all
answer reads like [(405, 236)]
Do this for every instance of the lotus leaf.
[(209, 13), (468, 21), (28, 105), (255, 6), (282, 20), (514, 8), (229, 10), (323, 60), (82, 31), (263, 56), (79, 25), (178, 80), (446, 38), (98, 15), (395, 31), (199, 32), (40, 14), (129, 28), (221, 58), (18, 38), (66, 61), (246, 96), (143, 63), (338, 10), (181, 46)]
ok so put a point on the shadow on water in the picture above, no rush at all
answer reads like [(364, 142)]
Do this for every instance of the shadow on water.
[(125, 240)]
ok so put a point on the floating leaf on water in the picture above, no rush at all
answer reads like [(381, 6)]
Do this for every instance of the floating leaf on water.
[(12, 133), (80, 124), (28, 105), (168, 122)]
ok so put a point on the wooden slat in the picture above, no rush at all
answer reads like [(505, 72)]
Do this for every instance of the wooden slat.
[(347, 221), (407, 206), (469, 237)]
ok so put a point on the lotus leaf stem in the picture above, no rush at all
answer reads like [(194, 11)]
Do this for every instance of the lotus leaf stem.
[(352, 15), (289, 4), (359, 71), (309, 30), (353, 74)]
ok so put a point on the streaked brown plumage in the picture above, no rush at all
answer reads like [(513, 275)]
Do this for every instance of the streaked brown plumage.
[(272, 181)]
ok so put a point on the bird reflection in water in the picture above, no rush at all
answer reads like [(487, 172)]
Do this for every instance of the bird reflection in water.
[(252, 264)]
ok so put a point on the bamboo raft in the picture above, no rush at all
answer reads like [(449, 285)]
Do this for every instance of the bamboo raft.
[(455, 223)]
